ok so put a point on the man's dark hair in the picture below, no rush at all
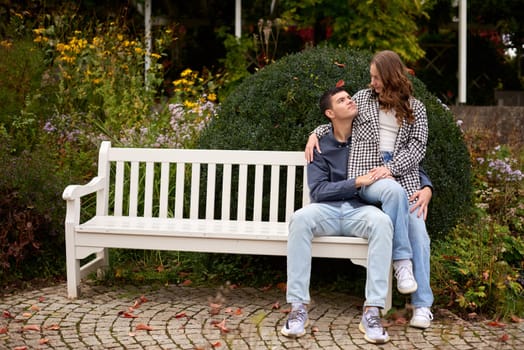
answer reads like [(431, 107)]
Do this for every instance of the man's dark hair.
[(325, 100)]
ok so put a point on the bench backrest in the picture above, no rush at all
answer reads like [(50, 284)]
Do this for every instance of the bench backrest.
[(194, 183)]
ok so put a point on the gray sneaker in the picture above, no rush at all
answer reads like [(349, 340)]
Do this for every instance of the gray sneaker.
[(371, 326), (296, 322)]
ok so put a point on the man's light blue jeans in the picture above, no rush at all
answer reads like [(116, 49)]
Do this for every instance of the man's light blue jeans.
[(392, 198), (420, 243), (322, 219)]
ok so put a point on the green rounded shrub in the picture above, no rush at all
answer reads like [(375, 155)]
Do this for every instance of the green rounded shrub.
[(277, 107)]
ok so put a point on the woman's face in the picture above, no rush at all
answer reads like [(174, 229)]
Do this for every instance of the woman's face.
[(376, 80)]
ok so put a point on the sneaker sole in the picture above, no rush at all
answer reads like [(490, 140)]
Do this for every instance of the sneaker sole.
[(298, 335), (408, 291), (419, 325), (369, 340)]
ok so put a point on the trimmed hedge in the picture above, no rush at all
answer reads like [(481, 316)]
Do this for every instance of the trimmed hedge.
[(277, 107)]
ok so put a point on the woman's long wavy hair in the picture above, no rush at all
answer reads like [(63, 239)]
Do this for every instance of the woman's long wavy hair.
[(397, 87)]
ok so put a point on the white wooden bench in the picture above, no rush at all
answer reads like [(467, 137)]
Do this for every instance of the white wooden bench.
[(215, 201)]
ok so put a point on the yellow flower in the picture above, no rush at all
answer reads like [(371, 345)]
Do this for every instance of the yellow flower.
[(186, 72), (212, 97), (155, 55), (138, 50)]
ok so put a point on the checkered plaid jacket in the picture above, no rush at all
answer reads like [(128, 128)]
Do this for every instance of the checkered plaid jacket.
[(410, 144)]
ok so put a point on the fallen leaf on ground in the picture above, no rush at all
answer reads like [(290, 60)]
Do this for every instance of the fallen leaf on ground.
[(43, 341), (143, 327), (239, 312), (180, 315), (20, 347), (31, 327), (186, 283), (34, 308), (282, 286), (53, 327), (516, 319), (27, 314), (496, 324), (127, 314), (315, 329), (3, 330), (7, 314), (504, 337), (286, 311), (221, 325), (41, 299), (216, 344), (275, 306)]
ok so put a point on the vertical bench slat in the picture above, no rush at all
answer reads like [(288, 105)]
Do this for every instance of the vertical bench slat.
[(305, 188), (257, 198), (148, 195), (226, 192), (119, 188), (273, 202), (133, 189), (179, 190), (195, 190), (164, 189), (242, 192), (290, 191), (210, 191)]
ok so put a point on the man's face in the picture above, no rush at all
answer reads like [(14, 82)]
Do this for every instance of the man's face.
[(343, 106), (376, 80)]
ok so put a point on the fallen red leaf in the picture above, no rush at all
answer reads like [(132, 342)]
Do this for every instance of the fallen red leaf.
[(504, 337), (275, 306), (340, 83), (31, 327), (34, 308), (53, 327), (282, 286), (128, 315), (401, 321), (3, 330), (516, 319), (239, 312), (180, 315), (216, 344), (20, 347), (496, 324), (43, 341), (143, 327), (266, 288), (221, 325), (143, 299), (286, 311), (315, 329), (186, 283), (7, 314), (41, 299)]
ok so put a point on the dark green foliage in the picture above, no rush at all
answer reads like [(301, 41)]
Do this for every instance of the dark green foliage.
[(31, 216), (277, 108)]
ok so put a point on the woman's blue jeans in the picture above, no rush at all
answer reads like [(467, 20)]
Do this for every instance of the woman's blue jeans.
[(392, 198), (342, 219)]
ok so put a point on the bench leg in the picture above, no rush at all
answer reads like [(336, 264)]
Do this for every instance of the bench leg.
[(73, 275)]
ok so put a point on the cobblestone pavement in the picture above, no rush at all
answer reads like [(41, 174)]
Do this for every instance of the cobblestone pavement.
[(200, 318)]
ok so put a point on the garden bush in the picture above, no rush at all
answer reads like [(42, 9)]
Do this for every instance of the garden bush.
[(277, 107)]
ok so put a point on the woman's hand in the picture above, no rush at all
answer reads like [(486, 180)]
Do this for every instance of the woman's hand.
[(312, 143)]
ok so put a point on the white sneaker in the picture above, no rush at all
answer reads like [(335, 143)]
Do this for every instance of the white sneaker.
[(422, 318), (406, 283)]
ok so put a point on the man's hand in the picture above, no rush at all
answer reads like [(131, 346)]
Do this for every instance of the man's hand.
[(380, 172), (423, 197), (312, 143)]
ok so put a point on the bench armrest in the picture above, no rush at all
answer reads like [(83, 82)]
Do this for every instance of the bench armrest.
[(73, 192)]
